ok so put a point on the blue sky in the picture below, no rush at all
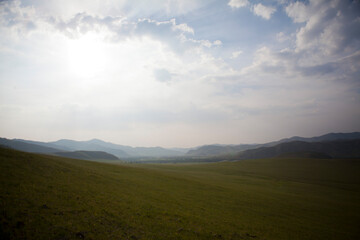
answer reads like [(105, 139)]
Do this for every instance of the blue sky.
[(178, 73)]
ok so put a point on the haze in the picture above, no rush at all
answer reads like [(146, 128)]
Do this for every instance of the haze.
[(178, 73)]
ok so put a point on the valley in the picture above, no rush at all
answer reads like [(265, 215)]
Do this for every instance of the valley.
[(50, 197)]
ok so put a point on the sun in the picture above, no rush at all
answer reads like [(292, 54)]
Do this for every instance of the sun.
[(87, 55)]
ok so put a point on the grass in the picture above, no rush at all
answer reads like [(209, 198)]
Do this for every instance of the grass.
[(47, 197)]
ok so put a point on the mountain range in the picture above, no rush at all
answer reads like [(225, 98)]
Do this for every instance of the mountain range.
[(300, 149), (326, 146), (88, 155), (216, 149), (65, 145)]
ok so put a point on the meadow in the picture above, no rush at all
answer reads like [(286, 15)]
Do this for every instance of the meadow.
[(48, 197)]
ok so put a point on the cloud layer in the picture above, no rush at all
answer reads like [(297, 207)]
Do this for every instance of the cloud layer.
[(263, 11), (258, 9), (160, 75)]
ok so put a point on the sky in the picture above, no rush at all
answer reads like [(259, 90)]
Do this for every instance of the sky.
[(178, 73)]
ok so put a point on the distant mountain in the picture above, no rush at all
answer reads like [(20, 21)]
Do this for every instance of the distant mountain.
[(120, 151), (326, 137), (66, 145), (27, 147), (88, 155), (326, 149), (90, 146), (214, 150), (155, 152), (44, 144), (183, 151)]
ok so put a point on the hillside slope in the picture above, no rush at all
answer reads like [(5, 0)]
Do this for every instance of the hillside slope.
[(120, 151), (89, 146), (88, 155), (27, 147), (324, 138), (332, 149), (67, 145), (213, 150), (48, 197), (216, 150)]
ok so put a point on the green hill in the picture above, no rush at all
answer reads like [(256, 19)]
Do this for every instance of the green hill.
[(88, 155), (213, 150), (304, 154), (27, 147), (48, 197), (120, 151), (331, 149), (216, 150)]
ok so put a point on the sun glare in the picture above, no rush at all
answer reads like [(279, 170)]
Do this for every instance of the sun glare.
[(86, 56)]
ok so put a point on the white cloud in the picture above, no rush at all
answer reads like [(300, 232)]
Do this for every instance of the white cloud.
[(132, 9), (282, 37), (238, 3), (162, 75), (184, 27), (236, 54), (298, 12), (263, 11), (89, 66), (217, 43), (280, 87), (204, 43), (330, 30), (172, 22), (314, 81), (123, 79)]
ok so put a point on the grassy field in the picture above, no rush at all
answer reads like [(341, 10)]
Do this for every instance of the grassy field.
[(45, 197)]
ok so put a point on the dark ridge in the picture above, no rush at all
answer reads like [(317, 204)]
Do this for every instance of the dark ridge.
[(215, 149), (333, 149), (305, 154), (88, 155), (27, 147)]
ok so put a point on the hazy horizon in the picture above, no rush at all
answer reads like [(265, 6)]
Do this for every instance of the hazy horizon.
[(172, 147), (178, 73)]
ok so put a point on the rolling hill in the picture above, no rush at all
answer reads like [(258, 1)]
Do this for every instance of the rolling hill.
[(49, 197), (213, 150), (27, 146), (120, 151), (88, 155), (91, 145), (149, 153), (216, 150), (331, 149), (323, 138)]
